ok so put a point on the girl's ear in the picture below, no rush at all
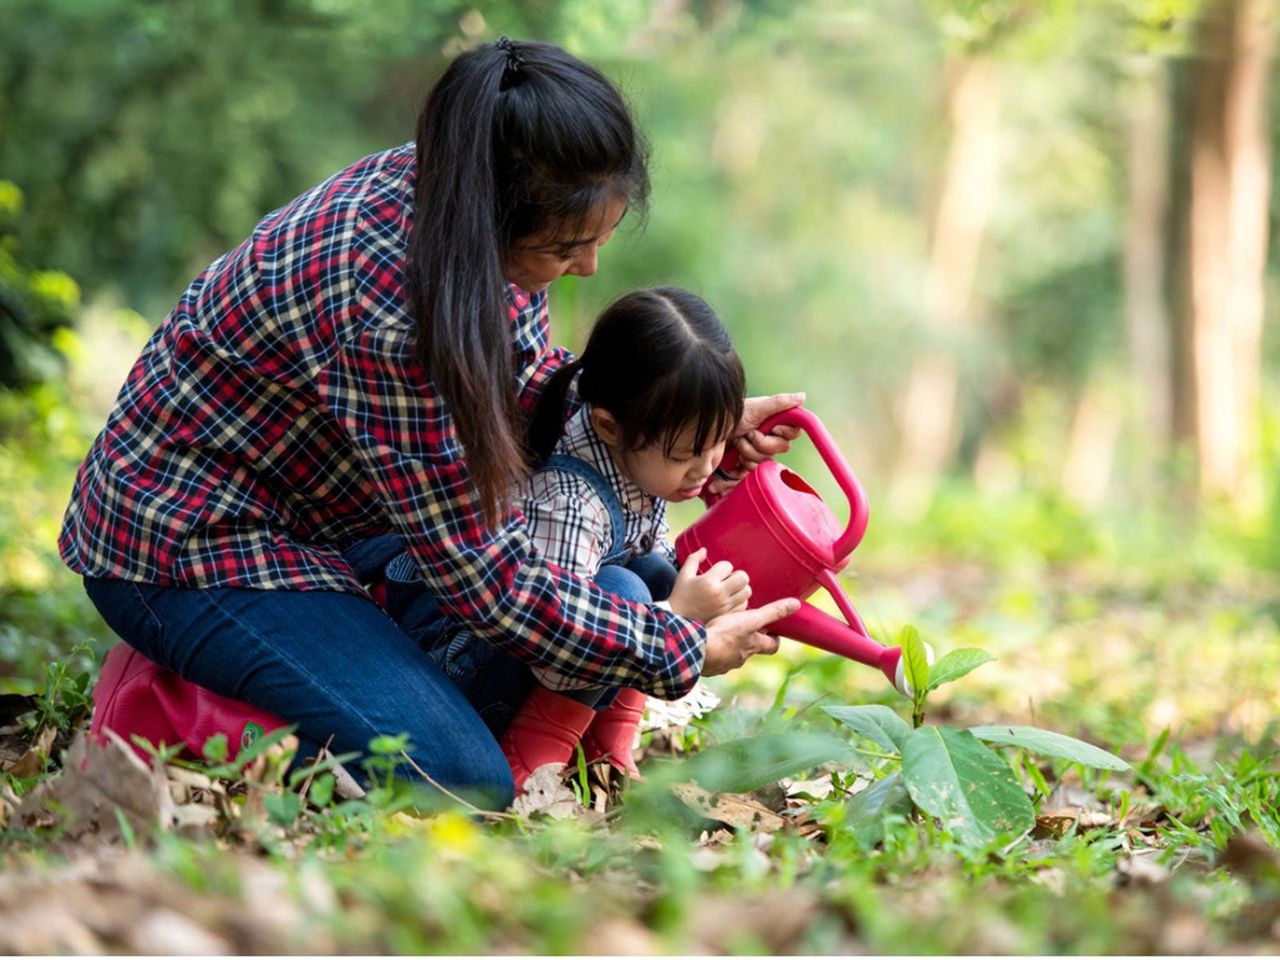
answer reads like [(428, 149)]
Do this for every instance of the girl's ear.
[(606, 426)]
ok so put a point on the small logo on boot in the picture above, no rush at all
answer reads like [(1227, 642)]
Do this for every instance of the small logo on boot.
[(251, 735)]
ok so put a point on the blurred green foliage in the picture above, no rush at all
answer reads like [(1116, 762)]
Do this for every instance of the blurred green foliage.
[(34, 304), (796, 158)]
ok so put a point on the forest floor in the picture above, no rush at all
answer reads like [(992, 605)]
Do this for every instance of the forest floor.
[(1177, 853)]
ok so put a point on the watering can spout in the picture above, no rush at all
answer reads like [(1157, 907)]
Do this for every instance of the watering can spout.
[(811, 626)]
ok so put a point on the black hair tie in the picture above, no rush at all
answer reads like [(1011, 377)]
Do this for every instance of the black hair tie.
[(511, 71)]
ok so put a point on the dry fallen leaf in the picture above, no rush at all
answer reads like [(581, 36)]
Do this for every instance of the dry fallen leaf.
[(31, 763), (545, 793), (1056, 823), (1250, 856), (733, 809), (774, 922), (94, 783), (817, 789), (620, 937), (662, 715), (1141, 868)]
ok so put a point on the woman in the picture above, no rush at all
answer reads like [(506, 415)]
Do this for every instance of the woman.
[(360, 366)]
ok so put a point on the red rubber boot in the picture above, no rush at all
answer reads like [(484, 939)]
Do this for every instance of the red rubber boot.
[(133, 695), (613, 731), (124, 700), (546, 730)]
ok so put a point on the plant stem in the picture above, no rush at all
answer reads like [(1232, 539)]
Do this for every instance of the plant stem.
[(877, 755)]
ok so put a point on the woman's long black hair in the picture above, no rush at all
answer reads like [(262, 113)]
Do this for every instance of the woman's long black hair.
[(516, 139), (661, 362)]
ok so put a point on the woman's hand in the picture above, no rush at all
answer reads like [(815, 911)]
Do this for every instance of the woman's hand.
[(733, 638), (705, 596), (754, 447)]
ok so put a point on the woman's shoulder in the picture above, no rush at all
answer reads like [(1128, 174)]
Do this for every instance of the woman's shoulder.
[(338, 249), (375, 189)]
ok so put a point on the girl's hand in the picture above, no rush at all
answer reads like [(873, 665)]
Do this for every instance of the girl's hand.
[(754, 447), (733, 638), (706, 596)]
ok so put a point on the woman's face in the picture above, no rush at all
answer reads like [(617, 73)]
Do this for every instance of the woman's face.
[(538, 260)]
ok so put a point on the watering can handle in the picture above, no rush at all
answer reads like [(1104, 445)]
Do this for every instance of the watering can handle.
[(836, 463)]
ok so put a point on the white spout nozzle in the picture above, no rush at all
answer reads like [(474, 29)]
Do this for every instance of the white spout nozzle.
[(900, 675)]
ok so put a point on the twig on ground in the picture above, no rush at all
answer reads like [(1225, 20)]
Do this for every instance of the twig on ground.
[(453, 796), (306, 784)]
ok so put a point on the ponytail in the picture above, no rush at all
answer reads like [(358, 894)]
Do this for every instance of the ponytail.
[(455, 276), (547, 422), (515, 139)]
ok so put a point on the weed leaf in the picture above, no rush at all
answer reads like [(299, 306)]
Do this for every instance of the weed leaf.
[(875, 722), (917, 668), (953, 777), (282, 808), (742, 765), (1050, 744), (865, 813), (955, 665)]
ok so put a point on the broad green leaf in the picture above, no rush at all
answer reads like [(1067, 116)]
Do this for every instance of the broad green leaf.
[(865, 813), (916, 659), (953, 777), (875, 722), (955, 665), (321, 791), (282, 808), (743, 765), (215, 748), (1050, 744)]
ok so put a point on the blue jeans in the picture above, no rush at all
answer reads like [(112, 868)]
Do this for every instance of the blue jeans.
[(333, 663), (344, 671), (496, 683)]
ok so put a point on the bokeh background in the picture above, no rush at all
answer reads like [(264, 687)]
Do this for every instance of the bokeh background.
[(1016, 252)]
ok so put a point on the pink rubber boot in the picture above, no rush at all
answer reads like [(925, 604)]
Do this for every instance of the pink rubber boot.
[(613, 731), (546, 730)]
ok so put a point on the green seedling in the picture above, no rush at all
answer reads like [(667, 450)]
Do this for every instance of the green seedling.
[(949, 774)]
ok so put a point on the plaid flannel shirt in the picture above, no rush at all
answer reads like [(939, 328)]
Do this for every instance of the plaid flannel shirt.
[(571, 526), (278, 415)]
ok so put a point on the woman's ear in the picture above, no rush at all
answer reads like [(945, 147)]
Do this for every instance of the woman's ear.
[(606, 427)]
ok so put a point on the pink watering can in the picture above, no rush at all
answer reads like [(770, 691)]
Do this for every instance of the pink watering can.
[(775, 527)]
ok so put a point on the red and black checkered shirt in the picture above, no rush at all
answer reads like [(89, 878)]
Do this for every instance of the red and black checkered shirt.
[(278, 415)]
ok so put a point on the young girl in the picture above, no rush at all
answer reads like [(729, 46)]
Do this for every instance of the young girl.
[(662, 389)]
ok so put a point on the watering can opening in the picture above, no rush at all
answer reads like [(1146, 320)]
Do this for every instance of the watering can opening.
[(826, 515), (797, 482)]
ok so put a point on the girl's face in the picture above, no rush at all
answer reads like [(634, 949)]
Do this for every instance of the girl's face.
[(679, 475), (538, 260)]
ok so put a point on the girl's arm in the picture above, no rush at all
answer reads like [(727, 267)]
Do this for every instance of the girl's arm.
[(662, 541), (566, 523)]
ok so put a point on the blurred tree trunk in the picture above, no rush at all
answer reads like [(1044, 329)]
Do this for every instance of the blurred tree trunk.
[(1226, 241), (1092, 443), (926, 411), (1146, 316)]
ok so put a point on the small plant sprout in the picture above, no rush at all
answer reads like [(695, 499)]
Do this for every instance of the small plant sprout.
[(947, 773)]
